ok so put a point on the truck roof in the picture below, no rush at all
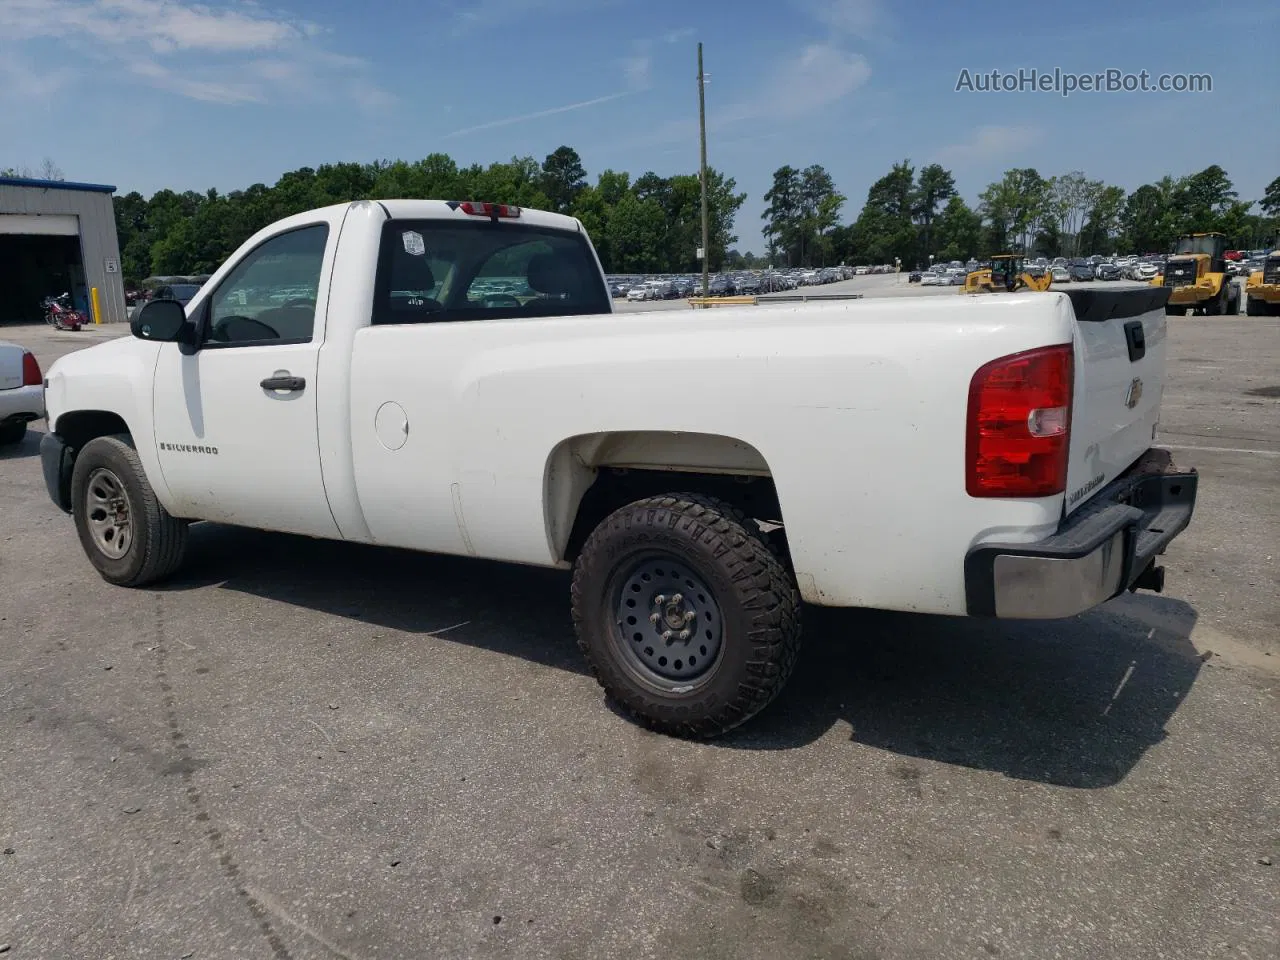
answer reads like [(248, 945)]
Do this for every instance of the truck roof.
[(453, 210)]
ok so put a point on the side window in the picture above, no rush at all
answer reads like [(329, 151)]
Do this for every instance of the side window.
[(270, 296)]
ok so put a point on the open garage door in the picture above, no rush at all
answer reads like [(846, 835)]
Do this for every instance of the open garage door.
[(43, 225), (38, 265)]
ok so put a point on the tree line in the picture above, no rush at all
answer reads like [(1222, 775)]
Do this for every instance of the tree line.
[(913, 217), (651, 224)]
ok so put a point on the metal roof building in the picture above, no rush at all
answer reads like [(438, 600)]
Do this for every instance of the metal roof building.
[(58, 237)]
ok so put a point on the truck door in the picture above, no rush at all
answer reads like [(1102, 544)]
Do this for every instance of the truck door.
[(235, 420)]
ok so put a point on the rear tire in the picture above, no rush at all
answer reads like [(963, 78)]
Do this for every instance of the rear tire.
[(12, 433), (130, 539), (1255, 308), (630, 605)]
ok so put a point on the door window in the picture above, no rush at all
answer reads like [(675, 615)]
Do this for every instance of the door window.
[(270, 296)]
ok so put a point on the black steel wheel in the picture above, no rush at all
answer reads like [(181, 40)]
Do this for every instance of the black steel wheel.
[(687, 618)]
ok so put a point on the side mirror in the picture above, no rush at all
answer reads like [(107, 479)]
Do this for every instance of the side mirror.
[(160, 320)]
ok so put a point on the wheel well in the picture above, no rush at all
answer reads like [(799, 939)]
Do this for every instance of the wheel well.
[(615, 487), (78, 427)]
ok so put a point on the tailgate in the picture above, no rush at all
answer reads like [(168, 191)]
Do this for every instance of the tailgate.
[(10, 366), (1119, 380)]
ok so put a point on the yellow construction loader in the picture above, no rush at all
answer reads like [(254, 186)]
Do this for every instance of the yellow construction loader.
[(1005, 274), (1196, 275), (1263, 288)]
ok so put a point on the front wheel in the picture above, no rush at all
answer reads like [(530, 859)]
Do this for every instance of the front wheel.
[(686, 617), (127, 535)]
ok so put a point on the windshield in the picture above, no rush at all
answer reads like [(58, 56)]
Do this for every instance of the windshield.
[(441, 270)]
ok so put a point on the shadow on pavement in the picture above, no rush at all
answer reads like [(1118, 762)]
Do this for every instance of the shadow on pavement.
[(29, 447), (1071, 703)]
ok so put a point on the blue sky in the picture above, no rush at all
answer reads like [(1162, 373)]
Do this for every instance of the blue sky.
[(146, 94)]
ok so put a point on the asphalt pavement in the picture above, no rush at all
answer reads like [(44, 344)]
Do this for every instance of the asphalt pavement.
[(301, 749)]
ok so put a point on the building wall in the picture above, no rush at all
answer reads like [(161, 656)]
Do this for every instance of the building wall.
[(98, 241)]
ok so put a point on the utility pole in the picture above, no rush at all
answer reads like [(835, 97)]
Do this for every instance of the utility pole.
[(702, 135)]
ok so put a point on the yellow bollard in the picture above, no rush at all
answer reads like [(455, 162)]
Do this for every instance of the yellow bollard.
[(97, 308)]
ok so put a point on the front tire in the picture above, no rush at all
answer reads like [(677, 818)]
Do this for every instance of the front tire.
[(653, 570), (130, 539)]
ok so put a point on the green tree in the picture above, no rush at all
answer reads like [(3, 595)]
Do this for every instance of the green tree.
[(1015, 205), (1141, 220), (934, 186), (635, 233), (783, 213), (1100, 230), (958, 231), (884, 230), (1204, 199), (563, 178), (820, 205), (1270, 201)]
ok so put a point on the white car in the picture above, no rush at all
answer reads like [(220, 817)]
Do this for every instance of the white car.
[(1060, 274), (965, 456), (933, 278), (1146, 271), (639, 292), (21, 392)]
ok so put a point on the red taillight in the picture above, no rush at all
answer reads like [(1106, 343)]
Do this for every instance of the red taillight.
[(503, 211), (31, 376), (1020, 425)]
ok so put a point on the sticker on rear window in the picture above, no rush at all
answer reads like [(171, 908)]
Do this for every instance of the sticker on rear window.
[(413, 244)]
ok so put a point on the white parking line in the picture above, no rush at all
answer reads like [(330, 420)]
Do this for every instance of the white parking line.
[(1187, 446)]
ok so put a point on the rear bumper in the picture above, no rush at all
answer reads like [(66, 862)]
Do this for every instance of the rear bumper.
[(22, 404), (1105, 548)]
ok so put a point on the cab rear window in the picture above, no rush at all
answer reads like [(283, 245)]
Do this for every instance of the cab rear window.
[(432, 271)]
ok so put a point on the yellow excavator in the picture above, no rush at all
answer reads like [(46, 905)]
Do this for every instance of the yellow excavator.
[(1263, 288), (1006, 273), (1196, 273)]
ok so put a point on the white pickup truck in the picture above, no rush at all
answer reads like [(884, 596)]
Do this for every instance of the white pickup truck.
[(450, 377)]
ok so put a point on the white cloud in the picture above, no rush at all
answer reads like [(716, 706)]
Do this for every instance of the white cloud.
[(22, 80), (816, 77), (210, 91), (679, 34), (989, 143), (241, 53), (164, 25), (857, 18)]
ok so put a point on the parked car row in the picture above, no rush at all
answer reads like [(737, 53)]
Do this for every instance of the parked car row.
[(740, 283)]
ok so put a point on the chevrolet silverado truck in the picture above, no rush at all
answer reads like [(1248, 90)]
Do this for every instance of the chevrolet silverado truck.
[(450, 377)]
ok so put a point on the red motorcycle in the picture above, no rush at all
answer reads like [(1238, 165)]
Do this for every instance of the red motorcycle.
[(60, 314)]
